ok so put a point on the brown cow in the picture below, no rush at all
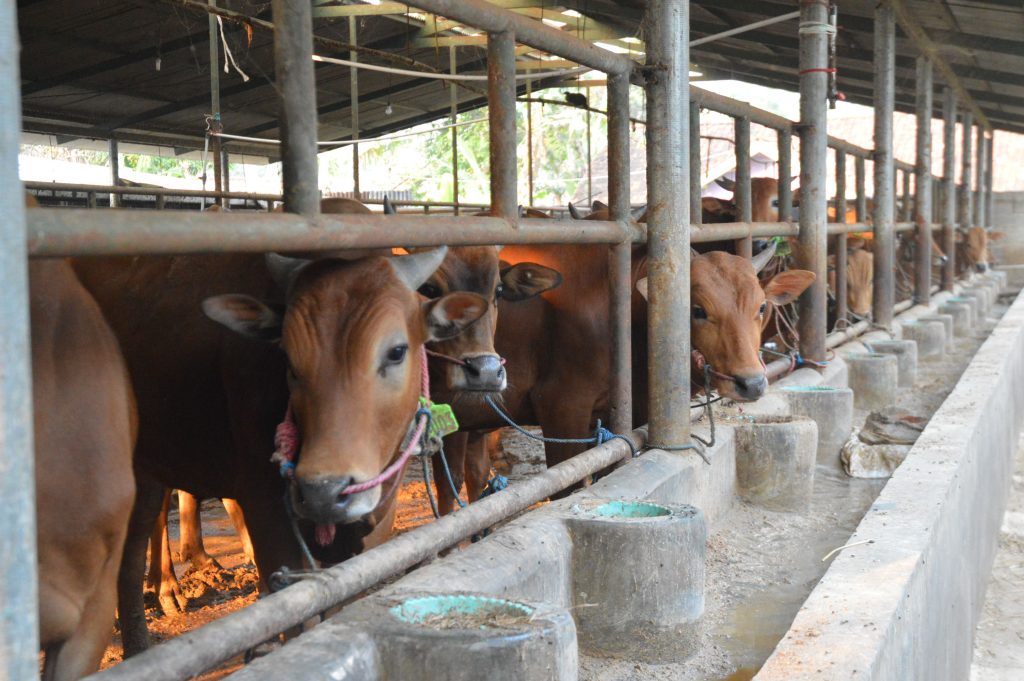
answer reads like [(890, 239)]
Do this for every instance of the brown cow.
[(84, 434), (209, 400), (972, 249), (558, 351)]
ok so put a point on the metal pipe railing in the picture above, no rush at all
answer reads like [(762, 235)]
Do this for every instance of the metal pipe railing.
[(743, 198), (19, 614), (194, 652), (620, 290), (840, 239), (966, 161), (147, 191), (923, 182), (501, 113), (884, 281), (949, 188)]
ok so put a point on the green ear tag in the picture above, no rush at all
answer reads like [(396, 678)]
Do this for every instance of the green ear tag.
[(442, 420)]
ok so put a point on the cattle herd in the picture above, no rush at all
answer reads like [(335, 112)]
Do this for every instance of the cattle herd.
[(153, 373)]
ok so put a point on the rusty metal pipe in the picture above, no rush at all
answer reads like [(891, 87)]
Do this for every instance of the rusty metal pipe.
[(841, 283), (812, 247), (980, 162), (620, 257), (949, 188), (923, 182), (667, 30), (785, 141), (744, 204), (296, 86), (966, 160), (884, 282), (501, 114)]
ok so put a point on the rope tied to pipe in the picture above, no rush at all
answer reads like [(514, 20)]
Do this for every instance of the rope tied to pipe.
[(701, 445), (601, 434)]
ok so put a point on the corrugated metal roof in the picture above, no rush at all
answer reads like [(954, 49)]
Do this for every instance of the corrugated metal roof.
[(140, 70)]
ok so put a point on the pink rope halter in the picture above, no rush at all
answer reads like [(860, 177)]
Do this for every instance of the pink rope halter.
[(286, 443)]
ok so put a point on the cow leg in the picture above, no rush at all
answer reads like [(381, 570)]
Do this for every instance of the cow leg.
[(191, 533), (130, 605), (238, 520), (161, 578), (455, 455), (478, 463), (82, 653), (272, 539)]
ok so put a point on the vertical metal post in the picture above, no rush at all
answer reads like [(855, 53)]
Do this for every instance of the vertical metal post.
[(884, 292), (813, 239), (923, 183), (19, 618), (501, 110), (353, 37), (906, 205), (296, 83), (966, 160), (785, 175), (620, 257), (981, 149), (696, 213), (948, 187), (590, 163), (224, 157), (667, 25), (454, 115), (989, 194), (841, 284), (860, 187), (744, 207), (529, 140), (115, 171), (215, 123)]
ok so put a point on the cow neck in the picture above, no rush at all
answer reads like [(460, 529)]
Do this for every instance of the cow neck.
[(287, 438)]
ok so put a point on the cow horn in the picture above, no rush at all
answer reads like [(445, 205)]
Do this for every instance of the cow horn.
[(389, 209), (638, 212), (726, 184), (574, 212), (762, 258), (284, 270), (416, 268), (598, 205)]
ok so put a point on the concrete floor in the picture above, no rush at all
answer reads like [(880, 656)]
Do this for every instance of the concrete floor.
[(999, 638)]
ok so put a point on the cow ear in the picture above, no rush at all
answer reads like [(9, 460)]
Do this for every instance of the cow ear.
[(449, 315), (726, 184), (244, 315), (995, 235), (786, 286), (641, 286), (527, 280)]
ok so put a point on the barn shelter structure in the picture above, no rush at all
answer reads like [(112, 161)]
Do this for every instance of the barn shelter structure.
[(96, 77)]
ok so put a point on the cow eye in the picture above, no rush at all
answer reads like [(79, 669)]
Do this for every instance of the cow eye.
[(699, 312), (430, 291), (775, 203), (499, 291), (397, 354), (764, 308)]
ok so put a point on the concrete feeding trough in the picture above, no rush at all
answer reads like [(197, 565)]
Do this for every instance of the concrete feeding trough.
[(775, 460), (962, 313), (831, 409), (929, 336), (981, 295), (431, 636), (947, 325), (874, 377), (653, 619), (905, 352)]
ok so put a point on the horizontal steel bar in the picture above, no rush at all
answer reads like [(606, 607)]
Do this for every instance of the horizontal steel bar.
[(196, 651), (723, 231), (487, 17), (147, 191), (80, 231)]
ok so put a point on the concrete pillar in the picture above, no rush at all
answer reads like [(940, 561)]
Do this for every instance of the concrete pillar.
[(981, 296), (831, 409), (962, 314), (947, 326), (874, 378), (905, 352), (929, 336), (655, 618), (775, 458)]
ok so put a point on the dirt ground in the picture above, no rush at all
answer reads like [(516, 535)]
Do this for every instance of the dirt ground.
[(760, 564)]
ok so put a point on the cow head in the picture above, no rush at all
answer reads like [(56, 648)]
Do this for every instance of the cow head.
[(352, 333), (976, 249), (728, 311), (476, 269)]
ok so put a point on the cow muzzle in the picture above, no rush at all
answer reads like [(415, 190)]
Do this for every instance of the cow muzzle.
[(323, 500), (484, 373), (981, 267), (749, 388)]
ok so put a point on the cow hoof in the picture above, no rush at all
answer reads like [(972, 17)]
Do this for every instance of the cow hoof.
[(206, 562), (172, 601)]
